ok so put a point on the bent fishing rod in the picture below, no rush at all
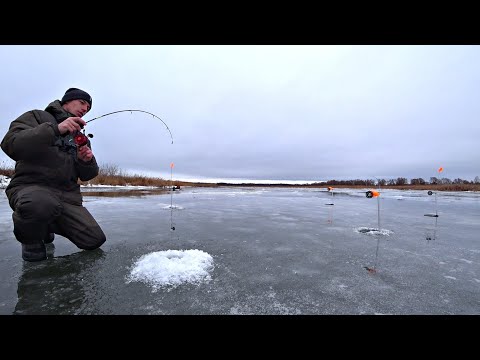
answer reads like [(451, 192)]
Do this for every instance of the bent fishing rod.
[(81, 139)]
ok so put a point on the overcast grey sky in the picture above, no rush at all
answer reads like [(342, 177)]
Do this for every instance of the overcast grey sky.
[(264, 112)]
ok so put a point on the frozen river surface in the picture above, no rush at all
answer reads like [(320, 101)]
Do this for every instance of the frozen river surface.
[(276, 251)]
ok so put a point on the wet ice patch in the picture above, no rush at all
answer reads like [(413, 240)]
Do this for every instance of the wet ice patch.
[(171, 268), (167, 207), (449, 277), (373, 231), (170, 206)]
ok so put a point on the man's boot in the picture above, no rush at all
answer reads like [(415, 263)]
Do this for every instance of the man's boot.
[(34, 252), (49, 238)]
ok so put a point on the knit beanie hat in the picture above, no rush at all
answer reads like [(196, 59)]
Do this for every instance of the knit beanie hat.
[(75, 94)]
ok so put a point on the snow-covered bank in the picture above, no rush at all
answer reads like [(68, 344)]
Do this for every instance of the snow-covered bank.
[(4, 181)]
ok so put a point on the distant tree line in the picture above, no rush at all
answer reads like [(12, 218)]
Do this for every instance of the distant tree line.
[(113, 171), (403, 181)]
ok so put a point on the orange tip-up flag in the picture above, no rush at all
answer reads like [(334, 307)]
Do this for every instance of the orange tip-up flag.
[(440, 169), (171, 166)]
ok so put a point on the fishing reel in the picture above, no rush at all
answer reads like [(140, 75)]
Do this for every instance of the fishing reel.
[(80, 138), (372, 193)]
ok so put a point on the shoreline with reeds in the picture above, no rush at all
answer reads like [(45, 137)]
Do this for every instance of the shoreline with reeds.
[(111, 175)]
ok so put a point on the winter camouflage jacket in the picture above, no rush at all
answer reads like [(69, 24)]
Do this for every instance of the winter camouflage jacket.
[(43, 156)]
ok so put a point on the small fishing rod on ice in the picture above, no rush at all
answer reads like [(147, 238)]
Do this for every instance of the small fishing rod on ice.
[(81, 139), (369, 194), (435, 215), (171, 197)]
